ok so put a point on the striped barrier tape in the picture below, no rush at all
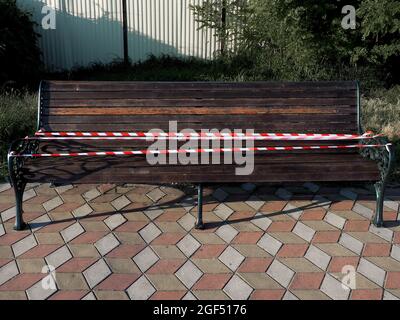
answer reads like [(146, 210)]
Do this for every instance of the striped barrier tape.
[(197, 136), (215, 150)]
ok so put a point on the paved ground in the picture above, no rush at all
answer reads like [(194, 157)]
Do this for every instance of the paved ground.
[(265, 243)]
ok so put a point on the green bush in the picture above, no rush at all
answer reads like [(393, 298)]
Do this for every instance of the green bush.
[(20, 61), (17, 120)]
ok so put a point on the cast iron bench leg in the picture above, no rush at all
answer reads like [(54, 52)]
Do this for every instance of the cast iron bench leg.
[(199, 222), (18, 184), (380, 195)]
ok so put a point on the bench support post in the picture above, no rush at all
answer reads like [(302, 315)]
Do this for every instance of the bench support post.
[(385, 165), (18, 184), (199, 222)]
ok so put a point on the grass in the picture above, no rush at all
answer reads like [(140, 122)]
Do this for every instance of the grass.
[(380, 107)]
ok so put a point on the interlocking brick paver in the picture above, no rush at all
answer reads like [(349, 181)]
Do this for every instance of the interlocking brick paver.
[(351, 243), (334, 288), (280, 273), (226, 233), (58, 257), (237, 289), (114, 221), (24, 245), (231, 258), (141, 289), (145, 259), (150, 232), (82, 211), (188, 274), (371, 271), (96, 273), (39, 292), (269, 244), (72, 232), (286, 242), (303, 231), (223, 211), (188, 245), (106, 244), (318, 257), (53, 203), (8, 271)]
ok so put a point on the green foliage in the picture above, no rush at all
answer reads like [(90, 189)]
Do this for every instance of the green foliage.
[(304, 40), (17, 120), (228, 18), (19, 53)]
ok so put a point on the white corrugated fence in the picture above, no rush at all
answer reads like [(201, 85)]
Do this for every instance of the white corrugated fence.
[(88, 31)]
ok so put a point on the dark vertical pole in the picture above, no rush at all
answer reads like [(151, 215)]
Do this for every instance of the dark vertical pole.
[(223, 27), (125, 31), (199, 222)]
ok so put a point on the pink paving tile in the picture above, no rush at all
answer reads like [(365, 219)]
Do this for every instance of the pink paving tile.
[(212, 281), (22, 282), (166, 266), (118, 282), (126, 251), (77, 265), (208, 251)]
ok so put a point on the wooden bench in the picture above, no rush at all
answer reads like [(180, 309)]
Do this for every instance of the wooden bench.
[(306, 107)]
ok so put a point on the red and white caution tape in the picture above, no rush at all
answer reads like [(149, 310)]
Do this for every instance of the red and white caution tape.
[(197, 136), (215, 150)]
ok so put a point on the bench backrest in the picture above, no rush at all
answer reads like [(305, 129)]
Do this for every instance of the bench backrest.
[(320, 107)]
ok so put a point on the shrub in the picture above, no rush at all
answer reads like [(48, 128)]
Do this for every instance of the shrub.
[(19, 54)]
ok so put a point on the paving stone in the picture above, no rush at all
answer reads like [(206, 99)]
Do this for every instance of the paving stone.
[(91, 194), (211, 266), (223, 211), (39, 292), (289, 296), (188, 274), (322, 201), (153, 213), (155, 194), (188, 245), (8, 214), (385, 263), (187, 221), (189, 296), (71, 281), (318, 257), (114, 221), (237, 289), (120, 203), (388, 296), (280, 273), (351, 243), (122, 265), (58, 257), (72, 232), (300, 265), (391, 205), (150, 232), (166, 282), (82, 211), (310, 295), (260, 281), (363, 211), (29, 194), (145, 259), (255, 202), (335, 220), (226, 233), (220, 195), (106, 244), (8, 271), (52, 203), (96, 273), (384, 233), (269, 244), (141, 289), (4, 186), (303, 231), (2, 231), (40, 222), (371, 271), (231, 258), (395, 253), (24, 245), (334, 288)]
